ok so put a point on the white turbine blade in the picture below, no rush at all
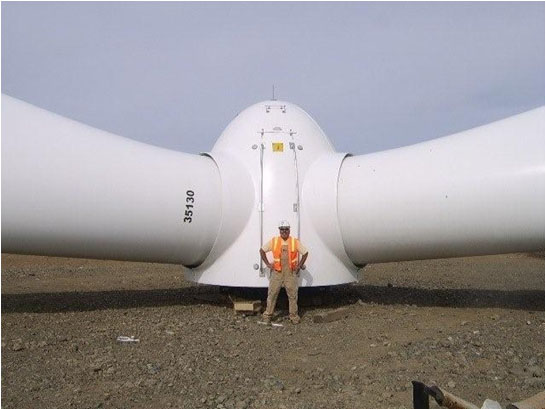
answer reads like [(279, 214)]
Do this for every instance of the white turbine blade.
[(71, 190), (476, 192)]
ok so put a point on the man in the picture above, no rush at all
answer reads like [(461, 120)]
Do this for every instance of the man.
[(284, 270)]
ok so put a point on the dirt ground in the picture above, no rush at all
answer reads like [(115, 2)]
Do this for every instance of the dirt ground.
[(474, 326)]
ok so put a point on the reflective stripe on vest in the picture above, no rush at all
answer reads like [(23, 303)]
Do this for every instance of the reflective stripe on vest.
[(292, 252)]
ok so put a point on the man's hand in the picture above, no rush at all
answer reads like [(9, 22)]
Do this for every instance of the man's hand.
[(301, 264), (265, 260)]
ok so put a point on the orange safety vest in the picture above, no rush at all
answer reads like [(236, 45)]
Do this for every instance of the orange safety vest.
[(292, 252)]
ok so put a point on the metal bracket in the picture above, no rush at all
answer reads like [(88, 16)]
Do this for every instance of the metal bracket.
[(280, 107), (421, 393)]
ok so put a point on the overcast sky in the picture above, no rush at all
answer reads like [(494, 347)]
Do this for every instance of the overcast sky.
[(373, 75)]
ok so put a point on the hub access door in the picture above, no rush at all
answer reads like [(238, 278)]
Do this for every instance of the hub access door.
[(280, 190)]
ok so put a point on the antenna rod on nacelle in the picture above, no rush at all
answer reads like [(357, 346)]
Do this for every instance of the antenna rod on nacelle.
[(273, 99)]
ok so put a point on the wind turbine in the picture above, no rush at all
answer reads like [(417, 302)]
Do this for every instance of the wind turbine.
[(72, 190)]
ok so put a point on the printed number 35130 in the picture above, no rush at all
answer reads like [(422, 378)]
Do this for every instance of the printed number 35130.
[(190, 202)]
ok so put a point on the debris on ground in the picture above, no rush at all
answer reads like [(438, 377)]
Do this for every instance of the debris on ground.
[(127, 339), (331, 316)]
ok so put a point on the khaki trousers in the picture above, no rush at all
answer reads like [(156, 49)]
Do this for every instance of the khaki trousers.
[(285, 278)]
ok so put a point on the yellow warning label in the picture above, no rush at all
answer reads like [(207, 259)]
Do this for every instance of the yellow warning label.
[(278, 147)]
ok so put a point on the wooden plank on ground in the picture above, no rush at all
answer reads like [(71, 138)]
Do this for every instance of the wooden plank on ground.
[(245, 305), (331, 316)]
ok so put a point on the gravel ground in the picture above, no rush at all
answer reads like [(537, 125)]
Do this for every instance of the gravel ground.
[(474, 326)]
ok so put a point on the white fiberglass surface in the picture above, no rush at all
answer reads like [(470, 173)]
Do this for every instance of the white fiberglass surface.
[(477, 192), (72, 190)]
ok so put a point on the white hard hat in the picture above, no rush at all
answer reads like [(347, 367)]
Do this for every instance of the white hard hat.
[(284, 224)]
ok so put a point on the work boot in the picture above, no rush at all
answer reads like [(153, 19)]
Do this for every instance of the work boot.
[(295, 320), (266, 319)]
